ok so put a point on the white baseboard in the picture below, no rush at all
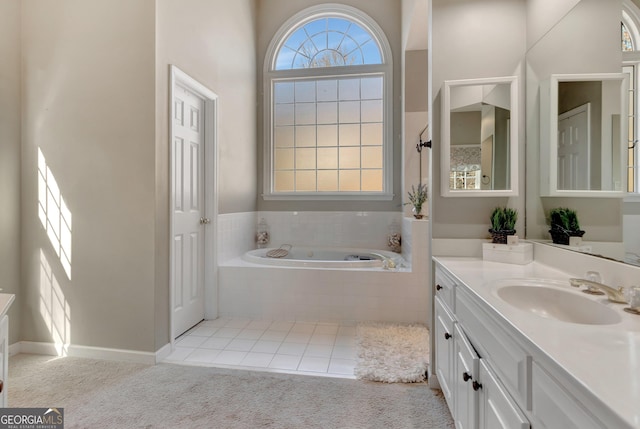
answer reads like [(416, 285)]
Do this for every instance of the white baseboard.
[(51, 349)]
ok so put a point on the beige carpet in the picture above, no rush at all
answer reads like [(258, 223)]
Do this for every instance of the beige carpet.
[(392, 353), (105, 394)]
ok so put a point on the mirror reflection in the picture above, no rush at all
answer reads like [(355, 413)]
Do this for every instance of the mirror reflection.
[(479, 137), (480, 122), (589, 127)]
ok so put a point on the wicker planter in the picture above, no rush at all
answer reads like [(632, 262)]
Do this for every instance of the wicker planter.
[(500, 236), (561, 236)]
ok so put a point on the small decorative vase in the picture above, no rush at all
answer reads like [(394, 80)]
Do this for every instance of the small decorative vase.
[(417, 213), (500, 237)]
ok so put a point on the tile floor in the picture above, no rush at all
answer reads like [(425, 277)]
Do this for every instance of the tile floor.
[(293, 347)]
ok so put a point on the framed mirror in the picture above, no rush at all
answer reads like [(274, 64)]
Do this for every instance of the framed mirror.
[(583, 144), (479, 154)]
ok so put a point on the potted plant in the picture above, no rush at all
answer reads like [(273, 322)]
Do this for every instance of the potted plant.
[(564, 224), (503, 223), (417, 198)]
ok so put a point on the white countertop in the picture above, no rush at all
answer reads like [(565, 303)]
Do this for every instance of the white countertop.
[(602, 359)]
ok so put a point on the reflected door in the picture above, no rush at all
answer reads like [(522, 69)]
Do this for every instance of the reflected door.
[(573, 149), (188, 211)]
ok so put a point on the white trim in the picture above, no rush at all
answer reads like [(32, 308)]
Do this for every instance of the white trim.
[(51, 349), (270, 75), (211, 191)]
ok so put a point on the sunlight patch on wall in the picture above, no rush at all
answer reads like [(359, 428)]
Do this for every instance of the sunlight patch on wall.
[(54, 308), (54, 214)]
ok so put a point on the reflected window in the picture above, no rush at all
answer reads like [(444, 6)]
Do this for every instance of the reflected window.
[(328, 84), (631, 66)]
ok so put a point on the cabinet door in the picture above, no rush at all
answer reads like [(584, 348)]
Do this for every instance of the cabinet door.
[(465, 372), (554, 407), (444, 351), (497, 408)]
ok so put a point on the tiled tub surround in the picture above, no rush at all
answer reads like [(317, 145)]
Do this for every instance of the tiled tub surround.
[(367, 230), (598, 364), (331, 295)]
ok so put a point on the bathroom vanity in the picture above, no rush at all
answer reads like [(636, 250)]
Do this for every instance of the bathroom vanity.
[(570, 360)]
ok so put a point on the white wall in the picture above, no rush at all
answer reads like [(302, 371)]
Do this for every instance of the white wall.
[(472, 39), (214, 42), (88, 106), (10, 158)]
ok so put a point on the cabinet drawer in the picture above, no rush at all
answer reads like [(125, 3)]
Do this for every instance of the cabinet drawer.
[(553, 407), (511, 362), (445, 287)]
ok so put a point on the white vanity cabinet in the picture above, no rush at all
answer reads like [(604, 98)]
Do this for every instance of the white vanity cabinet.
[(492, 374), (474, 393)]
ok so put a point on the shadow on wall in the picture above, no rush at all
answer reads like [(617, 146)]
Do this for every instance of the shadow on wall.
[(55, 218)]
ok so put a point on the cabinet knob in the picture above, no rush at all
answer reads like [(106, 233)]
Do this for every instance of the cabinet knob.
[(466, 376), (438, 287), (1, 386), (447, 335), (476, 386)]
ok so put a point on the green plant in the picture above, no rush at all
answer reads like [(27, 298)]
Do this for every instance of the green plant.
[(417, 197), (503, 219), (564, 219)]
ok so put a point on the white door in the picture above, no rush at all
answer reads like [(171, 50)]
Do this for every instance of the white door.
[(189, 220), (573, 149)]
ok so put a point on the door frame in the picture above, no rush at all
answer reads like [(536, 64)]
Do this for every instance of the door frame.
[(210, 141)]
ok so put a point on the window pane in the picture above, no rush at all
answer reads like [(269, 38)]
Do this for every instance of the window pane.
[(305, 136), (305, 159), (327, 113), (284, 114), (283, 92), (328, 90), (349, 112), (283, 181), (349, 135), (305, 91), (349, 157), (372, 157), (328, 158), (284, 136), (372, 180), (305, 113), (306, 181), (372, 111), (349, 89), (349, 180), (284, 159), (372, 134), (327, 180), (327, 135), (371, 88), (348, 42)]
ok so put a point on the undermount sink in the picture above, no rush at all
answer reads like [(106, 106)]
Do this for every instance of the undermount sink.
[(558, 304)]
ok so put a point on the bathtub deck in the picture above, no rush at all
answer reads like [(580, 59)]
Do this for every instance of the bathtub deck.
[(327, 349)]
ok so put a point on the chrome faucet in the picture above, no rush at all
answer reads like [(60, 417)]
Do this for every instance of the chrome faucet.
[(614, 295)]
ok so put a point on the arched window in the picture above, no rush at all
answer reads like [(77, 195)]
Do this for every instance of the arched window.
[(328, 107)]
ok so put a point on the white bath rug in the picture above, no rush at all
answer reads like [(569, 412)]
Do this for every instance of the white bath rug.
[(392, 353)]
